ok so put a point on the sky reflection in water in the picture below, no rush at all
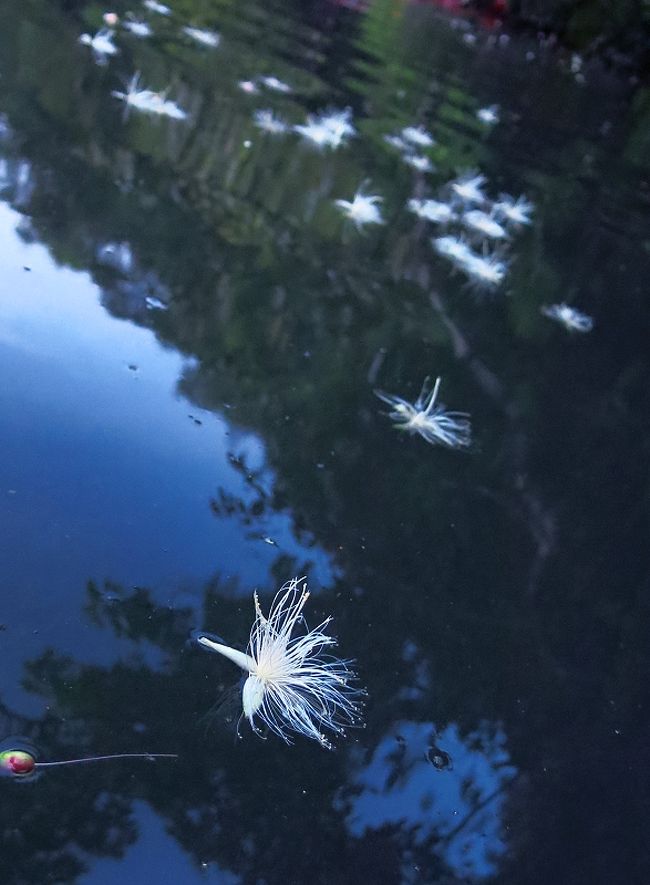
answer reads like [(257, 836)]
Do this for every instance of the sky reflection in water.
[(190, 334)]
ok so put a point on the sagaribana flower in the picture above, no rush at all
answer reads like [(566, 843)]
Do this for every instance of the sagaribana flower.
[(431, 421), (418, 135), (137, 27), (516, 211), (490, 115), (397, 142), (362, 210), (327, 130), (276, 85), (101, 44), (469, 188), (482, 223), (486, 271), (268, 122), (572, 319), (149, 102), (454, 248), (291, 686), (160, 8), (418, 162), (199, 35), (432, 210)]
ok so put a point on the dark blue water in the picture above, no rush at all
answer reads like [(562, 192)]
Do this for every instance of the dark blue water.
[(190, 336)]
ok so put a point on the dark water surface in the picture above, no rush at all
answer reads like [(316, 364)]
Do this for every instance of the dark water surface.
[(162, 459)]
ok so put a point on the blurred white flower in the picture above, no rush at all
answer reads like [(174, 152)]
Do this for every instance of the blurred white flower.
[(418, 162), (432, 422), (418, 135), (276, 85), (101, 44), (482, 223), (490, 115), (329, 129), (291, 686), (572, 319), (268, 122), (137, 28), (516, 211), (149, 102), (432, 210), (469, 187), (362, 210), (160, 8), (205, 38)]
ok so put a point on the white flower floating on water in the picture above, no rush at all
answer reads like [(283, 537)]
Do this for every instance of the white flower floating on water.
[(276, 85), (397, 142), (268, 122), (487, 271), (149, 102), (137, 28), (489, 116), (160, 8), (454, 248), (483, 270), (516, 211), (249, 86), (328, 129), (291, 686), (362, 210), (469, 188), (199, 35), (482, 223), (432, 210), (572, 319), (418, 135), (432, 422), (101, 44), (418, 162)]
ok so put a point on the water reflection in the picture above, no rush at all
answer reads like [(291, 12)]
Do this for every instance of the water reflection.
[(191, 357), (457, 814)]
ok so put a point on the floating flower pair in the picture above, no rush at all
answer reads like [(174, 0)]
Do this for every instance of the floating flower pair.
[(291, 686)]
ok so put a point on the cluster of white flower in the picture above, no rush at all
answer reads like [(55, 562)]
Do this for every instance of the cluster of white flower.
[(483, 222)]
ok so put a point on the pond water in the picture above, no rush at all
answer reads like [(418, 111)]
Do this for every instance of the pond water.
[(190, 336)]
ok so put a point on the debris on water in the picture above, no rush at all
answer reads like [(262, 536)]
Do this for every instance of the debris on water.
[(117, 256), (440, 759)]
